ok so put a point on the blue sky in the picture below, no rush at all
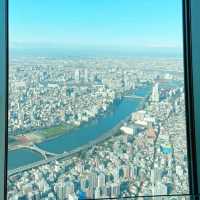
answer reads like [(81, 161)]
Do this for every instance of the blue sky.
[(127, 24)]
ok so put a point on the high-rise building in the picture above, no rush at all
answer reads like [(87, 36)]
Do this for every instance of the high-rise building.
[(63, 189), (77, 75), (93, 180), (86, 75), (133, 172), (155, 93), (69, 186), (156, 174), (83, 183), (101, 180), (126, 171), (97, 193), (116, 175), (115, 190), (59, 190)]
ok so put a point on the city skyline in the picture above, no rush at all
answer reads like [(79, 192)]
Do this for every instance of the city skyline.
[(85, 130)]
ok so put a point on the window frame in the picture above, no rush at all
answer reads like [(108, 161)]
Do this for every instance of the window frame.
[(191, 31), (191, 47), (3, 96)]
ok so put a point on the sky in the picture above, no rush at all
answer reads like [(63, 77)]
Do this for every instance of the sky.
[(115, 24)]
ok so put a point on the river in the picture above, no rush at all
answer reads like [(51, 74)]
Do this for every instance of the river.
[(86, 133)]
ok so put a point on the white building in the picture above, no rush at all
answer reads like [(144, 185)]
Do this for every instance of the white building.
[(77, 75), (155, 93)]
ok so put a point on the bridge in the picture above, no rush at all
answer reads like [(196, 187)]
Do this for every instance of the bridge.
[(35, 148), (64, 155), (134, 97), (52, 157)]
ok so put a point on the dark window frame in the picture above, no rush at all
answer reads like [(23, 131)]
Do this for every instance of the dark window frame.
[(191, 32), (3, 96)]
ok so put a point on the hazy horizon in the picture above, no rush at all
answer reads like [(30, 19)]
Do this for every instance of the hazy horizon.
[(121, 27), (96, 52)]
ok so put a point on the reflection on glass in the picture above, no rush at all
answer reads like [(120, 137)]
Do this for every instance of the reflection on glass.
[(181, 197), (102, 117)]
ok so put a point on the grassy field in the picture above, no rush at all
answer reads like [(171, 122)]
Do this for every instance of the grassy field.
[(55, 131), (38, 136)]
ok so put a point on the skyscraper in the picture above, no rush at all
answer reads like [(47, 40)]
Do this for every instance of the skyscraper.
[(101, 180), (93, 180), (155, 93), (86, 75), (77, 75)]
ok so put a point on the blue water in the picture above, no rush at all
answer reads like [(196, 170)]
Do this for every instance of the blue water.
[(84, 134), (22, 157)]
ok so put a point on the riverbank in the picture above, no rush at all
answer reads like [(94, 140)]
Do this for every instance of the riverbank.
[(45, 134), (50, 133), (92, 132), (110, 133), (39, 136)]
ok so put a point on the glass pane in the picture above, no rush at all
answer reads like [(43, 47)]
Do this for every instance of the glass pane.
[(96, 100), (178, 197)]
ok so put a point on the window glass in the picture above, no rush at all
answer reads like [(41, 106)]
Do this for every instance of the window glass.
[(96, 100)]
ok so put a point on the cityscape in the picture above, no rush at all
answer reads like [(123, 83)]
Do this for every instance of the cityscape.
[(96, 127), (96, 101)]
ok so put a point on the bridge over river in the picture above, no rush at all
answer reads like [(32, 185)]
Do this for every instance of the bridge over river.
[(51, 157), (134, 97), (45, 154), (64, 155)]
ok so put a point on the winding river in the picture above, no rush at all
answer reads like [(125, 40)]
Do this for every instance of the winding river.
[(84, 134)]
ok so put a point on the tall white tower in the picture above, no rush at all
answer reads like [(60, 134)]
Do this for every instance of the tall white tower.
[(86, 75), (155, 93), (77, 75)]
